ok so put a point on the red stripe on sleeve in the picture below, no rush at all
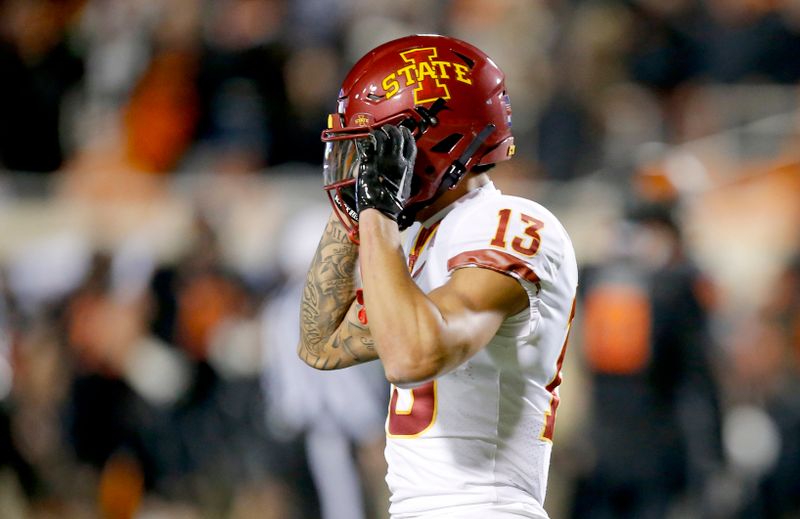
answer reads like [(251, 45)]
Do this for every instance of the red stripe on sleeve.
[(499, 261)]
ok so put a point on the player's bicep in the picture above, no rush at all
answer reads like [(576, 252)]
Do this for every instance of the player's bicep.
[(474, 303)]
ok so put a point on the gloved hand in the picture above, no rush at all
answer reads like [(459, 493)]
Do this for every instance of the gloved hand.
[(387, 166)]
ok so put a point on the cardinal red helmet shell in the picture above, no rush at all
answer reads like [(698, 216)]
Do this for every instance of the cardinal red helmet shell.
[(448, 92)]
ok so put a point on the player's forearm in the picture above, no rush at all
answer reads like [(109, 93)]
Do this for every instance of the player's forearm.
[(328, 294), (406, 325)]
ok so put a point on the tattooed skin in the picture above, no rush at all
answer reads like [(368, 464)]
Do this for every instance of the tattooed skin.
[(349, 341), (326, 343)]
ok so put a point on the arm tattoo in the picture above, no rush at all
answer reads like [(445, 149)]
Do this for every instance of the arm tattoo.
[(355, 336), (328, 293)]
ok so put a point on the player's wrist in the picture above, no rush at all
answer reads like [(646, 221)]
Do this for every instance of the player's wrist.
[(373, 214), (373, 222), (340, 232)]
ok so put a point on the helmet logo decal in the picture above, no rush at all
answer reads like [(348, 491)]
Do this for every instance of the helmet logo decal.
[(361, 120), (426, 73)]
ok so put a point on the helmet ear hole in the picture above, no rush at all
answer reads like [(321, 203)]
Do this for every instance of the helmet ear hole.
[(447, 144), (470, 62)]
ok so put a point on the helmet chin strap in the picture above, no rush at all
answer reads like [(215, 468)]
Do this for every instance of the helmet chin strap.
[(455, 172)]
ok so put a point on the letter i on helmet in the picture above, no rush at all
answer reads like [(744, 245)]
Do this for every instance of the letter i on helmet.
[(449, 93)]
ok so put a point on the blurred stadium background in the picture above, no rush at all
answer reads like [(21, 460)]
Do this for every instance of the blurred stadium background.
[(160, 196)]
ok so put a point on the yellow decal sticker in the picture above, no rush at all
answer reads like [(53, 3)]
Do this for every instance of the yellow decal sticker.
[(426, 74), (361, 120)]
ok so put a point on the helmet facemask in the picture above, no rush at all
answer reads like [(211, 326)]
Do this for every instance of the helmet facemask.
[(339, 170)]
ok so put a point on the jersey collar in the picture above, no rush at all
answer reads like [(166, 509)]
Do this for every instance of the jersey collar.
[(479, 192)]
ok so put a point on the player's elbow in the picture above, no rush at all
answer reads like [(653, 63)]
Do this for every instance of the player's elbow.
[(413, 367), (302, 353), (409, 374), (308, 356)]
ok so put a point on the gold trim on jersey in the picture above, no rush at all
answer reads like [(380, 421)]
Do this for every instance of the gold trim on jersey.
[(424, 236), (549, 425)]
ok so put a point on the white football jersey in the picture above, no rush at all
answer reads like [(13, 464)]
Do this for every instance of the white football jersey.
[(476, 442)]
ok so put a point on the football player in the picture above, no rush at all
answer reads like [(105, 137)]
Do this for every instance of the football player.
[(469, 314)]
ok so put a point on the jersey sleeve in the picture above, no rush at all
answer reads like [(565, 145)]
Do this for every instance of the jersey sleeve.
[(512, 236)]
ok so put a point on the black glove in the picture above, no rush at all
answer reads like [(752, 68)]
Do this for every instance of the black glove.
[(387, 166)]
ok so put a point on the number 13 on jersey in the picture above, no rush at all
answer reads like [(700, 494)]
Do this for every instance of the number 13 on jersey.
[(528, 244)]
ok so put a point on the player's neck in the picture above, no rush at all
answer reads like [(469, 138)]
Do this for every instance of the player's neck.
[(472, 182)]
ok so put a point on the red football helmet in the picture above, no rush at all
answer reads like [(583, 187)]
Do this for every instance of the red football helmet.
[(450, 94)]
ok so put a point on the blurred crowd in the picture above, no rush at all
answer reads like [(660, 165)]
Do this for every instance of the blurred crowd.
[(159, 192)]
